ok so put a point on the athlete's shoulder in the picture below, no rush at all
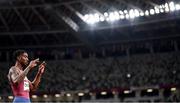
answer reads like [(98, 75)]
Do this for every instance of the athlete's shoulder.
[(12, 69)]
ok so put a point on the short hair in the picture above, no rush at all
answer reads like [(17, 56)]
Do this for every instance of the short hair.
[(18, 53)]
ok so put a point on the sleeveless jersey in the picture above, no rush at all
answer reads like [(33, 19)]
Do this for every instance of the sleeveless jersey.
[(21, 89)]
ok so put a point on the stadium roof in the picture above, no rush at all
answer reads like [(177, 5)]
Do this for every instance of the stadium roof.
[(46, 23)]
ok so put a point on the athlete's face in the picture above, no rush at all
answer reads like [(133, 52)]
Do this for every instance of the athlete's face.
[(23, 59)]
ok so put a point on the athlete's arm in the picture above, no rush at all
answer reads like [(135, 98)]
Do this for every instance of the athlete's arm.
[(35, 83), (18, 77)]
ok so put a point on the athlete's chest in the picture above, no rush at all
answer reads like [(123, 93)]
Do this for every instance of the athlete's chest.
[(25, 82)]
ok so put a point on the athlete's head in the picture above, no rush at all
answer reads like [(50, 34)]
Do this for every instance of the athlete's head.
[(21, 56)]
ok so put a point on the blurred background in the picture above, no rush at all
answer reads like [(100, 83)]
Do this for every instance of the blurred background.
[(96, 50)]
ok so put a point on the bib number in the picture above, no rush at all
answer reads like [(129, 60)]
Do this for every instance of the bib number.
[(26, 86)]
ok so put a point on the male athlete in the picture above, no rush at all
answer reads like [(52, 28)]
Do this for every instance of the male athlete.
[(20, 84)]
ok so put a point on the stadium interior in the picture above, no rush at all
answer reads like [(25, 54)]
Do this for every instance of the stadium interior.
[(96, 50)]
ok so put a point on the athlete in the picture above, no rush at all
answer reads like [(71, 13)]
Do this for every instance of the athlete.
[(17, 76)]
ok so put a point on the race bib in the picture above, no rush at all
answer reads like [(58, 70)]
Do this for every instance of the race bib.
[(26, 86)]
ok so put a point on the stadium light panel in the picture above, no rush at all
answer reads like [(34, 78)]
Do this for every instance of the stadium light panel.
[(141, 13), (57, 95), (121, 12), (147, 13), (149, 90), (128, 75), (103, 93), (91, 19), (101, 18), (172, 6), (136, 13), (131, 14), (125, 11), (106, 14), (80, 94), (166, 7), (177, 6), (34, 96), (173, 89), (45, 95), (160, 7), (10, 97), (127, 16), (122, 17), (161, 10), (152, 12), (163, 6), (68, 95), (157, 11), (96, 17), (86, 17), (117, 16), (126, 92), (107, 19), (112, 16)]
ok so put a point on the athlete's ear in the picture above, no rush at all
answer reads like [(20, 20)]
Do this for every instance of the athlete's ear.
[(19, 58)]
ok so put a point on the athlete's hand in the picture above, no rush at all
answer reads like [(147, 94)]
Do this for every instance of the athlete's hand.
[(42, 67), (33, 63)]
